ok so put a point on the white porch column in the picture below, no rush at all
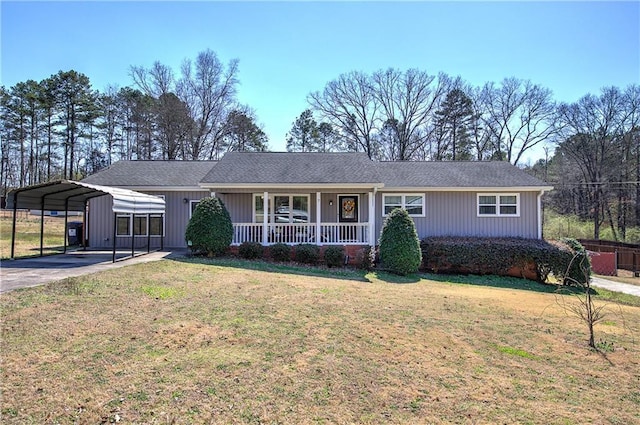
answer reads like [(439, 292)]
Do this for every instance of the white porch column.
[(318, 217), (372, 217), (265, 218)]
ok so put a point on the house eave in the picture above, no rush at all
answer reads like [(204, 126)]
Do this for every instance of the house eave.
[(285, 186), (468, 189), (164, 188)]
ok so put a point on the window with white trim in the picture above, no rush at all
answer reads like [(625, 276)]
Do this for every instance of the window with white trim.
[(413, 203), (288, 208), (193, 203), (498, 205), (141, 227)]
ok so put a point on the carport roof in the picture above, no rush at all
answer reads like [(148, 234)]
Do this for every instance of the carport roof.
[(69, 195)]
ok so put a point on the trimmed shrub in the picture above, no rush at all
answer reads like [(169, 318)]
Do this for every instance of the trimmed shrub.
[(250, 250), (210, 229), (578, 268), (399, 244), (500, 256), (334, 256), (280, 252), (307, 253)]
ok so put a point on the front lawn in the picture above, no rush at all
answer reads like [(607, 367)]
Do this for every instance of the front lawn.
[(205, 342)]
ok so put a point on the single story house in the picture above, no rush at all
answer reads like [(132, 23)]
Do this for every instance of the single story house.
[(320, 198)]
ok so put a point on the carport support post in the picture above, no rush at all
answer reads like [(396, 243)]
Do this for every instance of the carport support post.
[(148, 233), (66, 220), (42, 225), (162, 232), (115, 223), (133, 234), (85, 226), (13, 226)]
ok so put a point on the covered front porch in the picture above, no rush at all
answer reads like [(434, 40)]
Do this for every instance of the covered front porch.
[(321, 218)]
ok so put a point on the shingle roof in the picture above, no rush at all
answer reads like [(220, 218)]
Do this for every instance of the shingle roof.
[(450, 174), (276, 168), (152, 173), (293, 168)]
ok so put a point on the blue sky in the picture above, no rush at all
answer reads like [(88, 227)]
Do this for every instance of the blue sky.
[(289, 49)]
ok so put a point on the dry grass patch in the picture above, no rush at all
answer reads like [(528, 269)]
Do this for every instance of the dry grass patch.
[(171, 342), (624, 276), (27, 243)]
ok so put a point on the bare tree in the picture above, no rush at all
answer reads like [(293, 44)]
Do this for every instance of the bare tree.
[(592, 128), (209, 90), (408, 101), (154, 81), (350, 105), (519, 116)]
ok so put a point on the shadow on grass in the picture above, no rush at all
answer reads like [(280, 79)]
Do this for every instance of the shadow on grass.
[(394, 278), (504, 282), (265, 266)]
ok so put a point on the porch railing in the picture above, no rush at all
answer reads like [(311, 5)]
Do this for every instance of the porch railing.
[(330, 233)]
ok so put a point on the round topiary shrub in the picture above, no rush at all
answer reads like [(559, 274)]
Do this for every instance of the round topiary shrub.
[(334, 256), (307, 253), (210, 229), (280, 252), (399, 244), (250, 250)]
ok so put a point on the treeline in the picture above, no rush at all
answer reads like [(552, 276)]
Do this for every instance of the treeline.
[(595, 168), (62, 128), (413, 115)]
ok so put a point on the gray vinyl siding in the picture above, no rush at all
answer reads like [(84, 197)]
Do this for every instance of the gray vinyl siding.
[(100, 222), (455, 214)]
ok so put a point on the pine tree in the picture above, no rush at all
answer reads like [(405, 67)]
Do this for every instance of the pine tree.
[(453, 122)]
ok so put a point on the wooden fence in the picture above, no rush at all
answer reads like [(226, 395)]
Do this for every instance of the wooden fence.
[(627, 254)]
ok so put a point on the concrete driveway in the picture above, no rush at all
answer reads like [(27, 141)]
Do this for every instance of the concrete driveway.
[(625, 288), (28, 272)]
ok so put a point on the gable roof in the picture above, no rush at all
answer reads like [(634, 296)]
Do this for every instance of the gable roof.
[(153, 174), (456, 175), (241, 169), (315, 170)]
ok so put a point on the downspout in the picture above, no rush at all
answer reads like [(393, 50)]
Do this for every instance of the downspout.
[(372, 220), (115, 223), (540, 214)]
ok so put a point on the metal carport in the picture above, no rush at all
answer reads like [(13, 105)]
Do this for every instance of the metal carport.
[(69, 195)]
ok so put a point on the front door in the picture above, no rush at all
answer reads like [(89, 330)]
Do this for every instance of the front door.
[(348, 205)]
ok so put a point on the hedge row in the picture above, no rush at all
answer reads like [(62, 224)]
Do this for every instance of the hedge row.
[(332, 256), (536, 259)]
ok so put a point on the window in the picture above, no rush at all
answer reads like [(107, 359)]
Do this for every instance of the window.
[(140, 225), (498, 205), (122, 225), (192, 206), (412, 203), (288, 208)]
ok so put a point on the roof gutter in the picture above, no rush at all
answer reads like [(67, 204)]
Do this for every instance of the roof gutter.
[(468, 189)]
